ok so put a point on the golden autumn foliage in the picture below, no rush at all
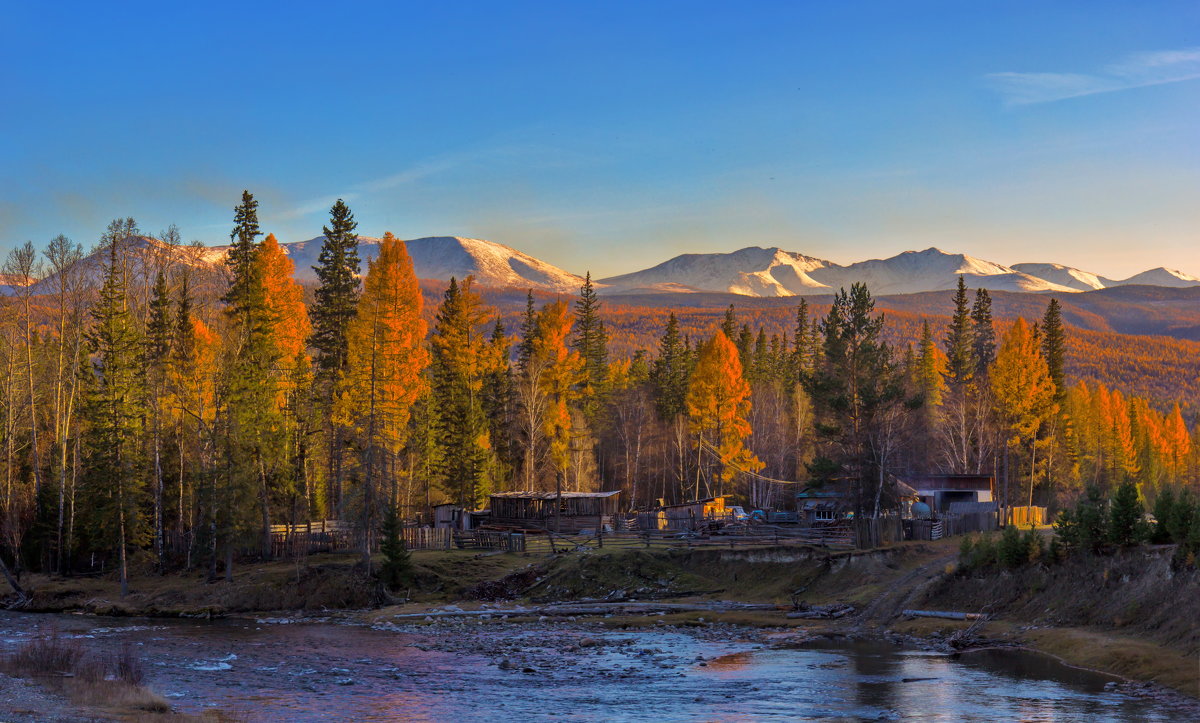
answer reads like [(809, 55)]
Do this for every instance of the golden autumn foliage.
[(387, 352), (1022, 389), (284, 299), (563, 372), (718, 403)]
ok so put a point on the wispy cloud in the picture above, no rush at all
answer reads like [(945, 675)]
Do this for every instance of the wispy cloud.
[(1136, 70), (407, 176)]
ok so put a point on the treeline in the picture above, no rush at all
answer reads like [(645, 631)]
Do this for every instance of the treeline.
[(153, 409)]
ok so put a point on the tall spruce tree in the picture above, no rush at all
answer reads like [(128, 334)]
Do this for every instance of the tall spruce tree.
[(852, 390), (337, 296), (157, 355), (457, 369), (983, 333), (252, 415), (115, 477), (670, 373), (336, 301), (590, 339), (1054, 348), (960, 339)]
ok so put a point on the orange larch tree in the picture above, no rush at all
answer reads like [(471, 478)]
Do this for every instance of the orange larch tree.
[(718, 403), (386, 358)]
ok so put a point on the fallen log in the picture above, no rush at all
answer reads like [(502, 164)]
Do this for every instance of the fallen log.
[(949, 615), (821, 612)]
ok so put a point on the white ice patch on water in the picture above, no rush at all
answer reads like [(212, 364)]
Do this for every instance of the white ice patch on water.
[(209, 666)]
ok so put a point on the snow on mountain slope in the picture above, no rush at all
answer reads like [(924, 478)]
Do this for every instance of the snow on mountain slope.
[(1064, 276), (1159, 277), (751, 271), (438, 257), (931, 270), (773, 272)]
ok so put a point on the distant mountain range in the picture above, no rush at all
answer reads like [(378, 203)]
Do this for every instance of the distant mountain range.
[(752, 271), (758, 271)]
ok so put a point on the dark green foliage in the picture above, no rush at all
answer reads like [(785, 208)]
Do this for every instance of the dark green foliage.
[(114, 496), (397, 560), (590, 339), (983, 332), (1012, 551), (729, 323), (1054, 348), (1180, 523), (960, 339), (852, 389), (671, 373), (1125, 523), (337, 296), (1084, 528), (1164, 509), (455, 370)]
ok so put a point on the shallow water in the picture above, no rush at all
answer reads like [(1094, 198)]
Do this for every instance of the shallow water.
[(301, 671)]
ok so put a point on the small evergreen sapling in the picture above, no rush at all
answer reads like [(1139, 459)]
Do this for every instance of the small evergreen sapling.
[(397, 560)]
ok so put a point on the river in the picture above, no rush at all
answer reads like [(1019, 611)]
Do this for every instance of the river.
[(277, 670)]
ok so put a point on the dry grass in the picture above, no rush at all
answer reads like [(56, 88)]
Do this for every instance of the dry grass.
[(1125, 656), (106, 684)]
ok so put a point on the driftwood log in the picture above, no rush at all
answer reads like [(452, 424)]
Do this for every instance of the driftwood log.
[(949, 615)]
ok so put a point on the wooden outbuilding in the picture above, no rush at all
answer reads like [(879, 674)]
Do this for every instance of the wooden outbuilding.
[(569, 512)]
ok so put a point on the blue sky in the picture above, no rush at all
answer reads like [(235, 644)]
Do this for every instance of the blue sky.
[(610, 136)]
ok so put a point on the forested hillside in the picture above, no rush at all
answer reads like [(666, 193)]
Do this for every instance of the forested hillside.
[(166, 415)]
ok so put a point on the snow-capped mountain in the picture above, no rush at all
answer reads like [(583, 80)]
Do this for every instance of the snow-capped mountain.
[(773, 272), (1065, 276), (437, 257), (1158, 277), (440, 257), (751, 271)]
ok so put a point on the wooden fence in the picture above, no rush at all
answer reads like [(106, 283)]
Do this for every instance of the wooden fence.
[(1026, 516)]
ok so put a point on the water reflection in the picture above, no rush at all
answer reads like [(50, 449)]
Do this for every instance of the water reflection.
[(466, 672)]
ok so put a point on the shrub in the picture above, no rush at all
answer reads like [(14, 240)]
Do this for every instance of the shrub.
[(128, 667), (1085, 527), (45, 655), (1125, 517), (1012, 551)]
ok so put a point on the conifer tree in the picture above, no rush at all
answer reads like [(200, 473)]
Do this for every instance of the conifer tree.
[(386, 356), (157, 352), (590, 339), (115, 476), (335, 302), (336, 298), (853, 389), (251, 387), (802, 343), (983, 332), (1054, 348), (670, 373), (458, 350), (1023, 391), (729, 324), (960, 341)]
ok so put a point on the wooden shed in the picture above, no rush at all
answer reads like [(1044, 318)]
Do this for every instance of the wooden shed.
[(568, 512)]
